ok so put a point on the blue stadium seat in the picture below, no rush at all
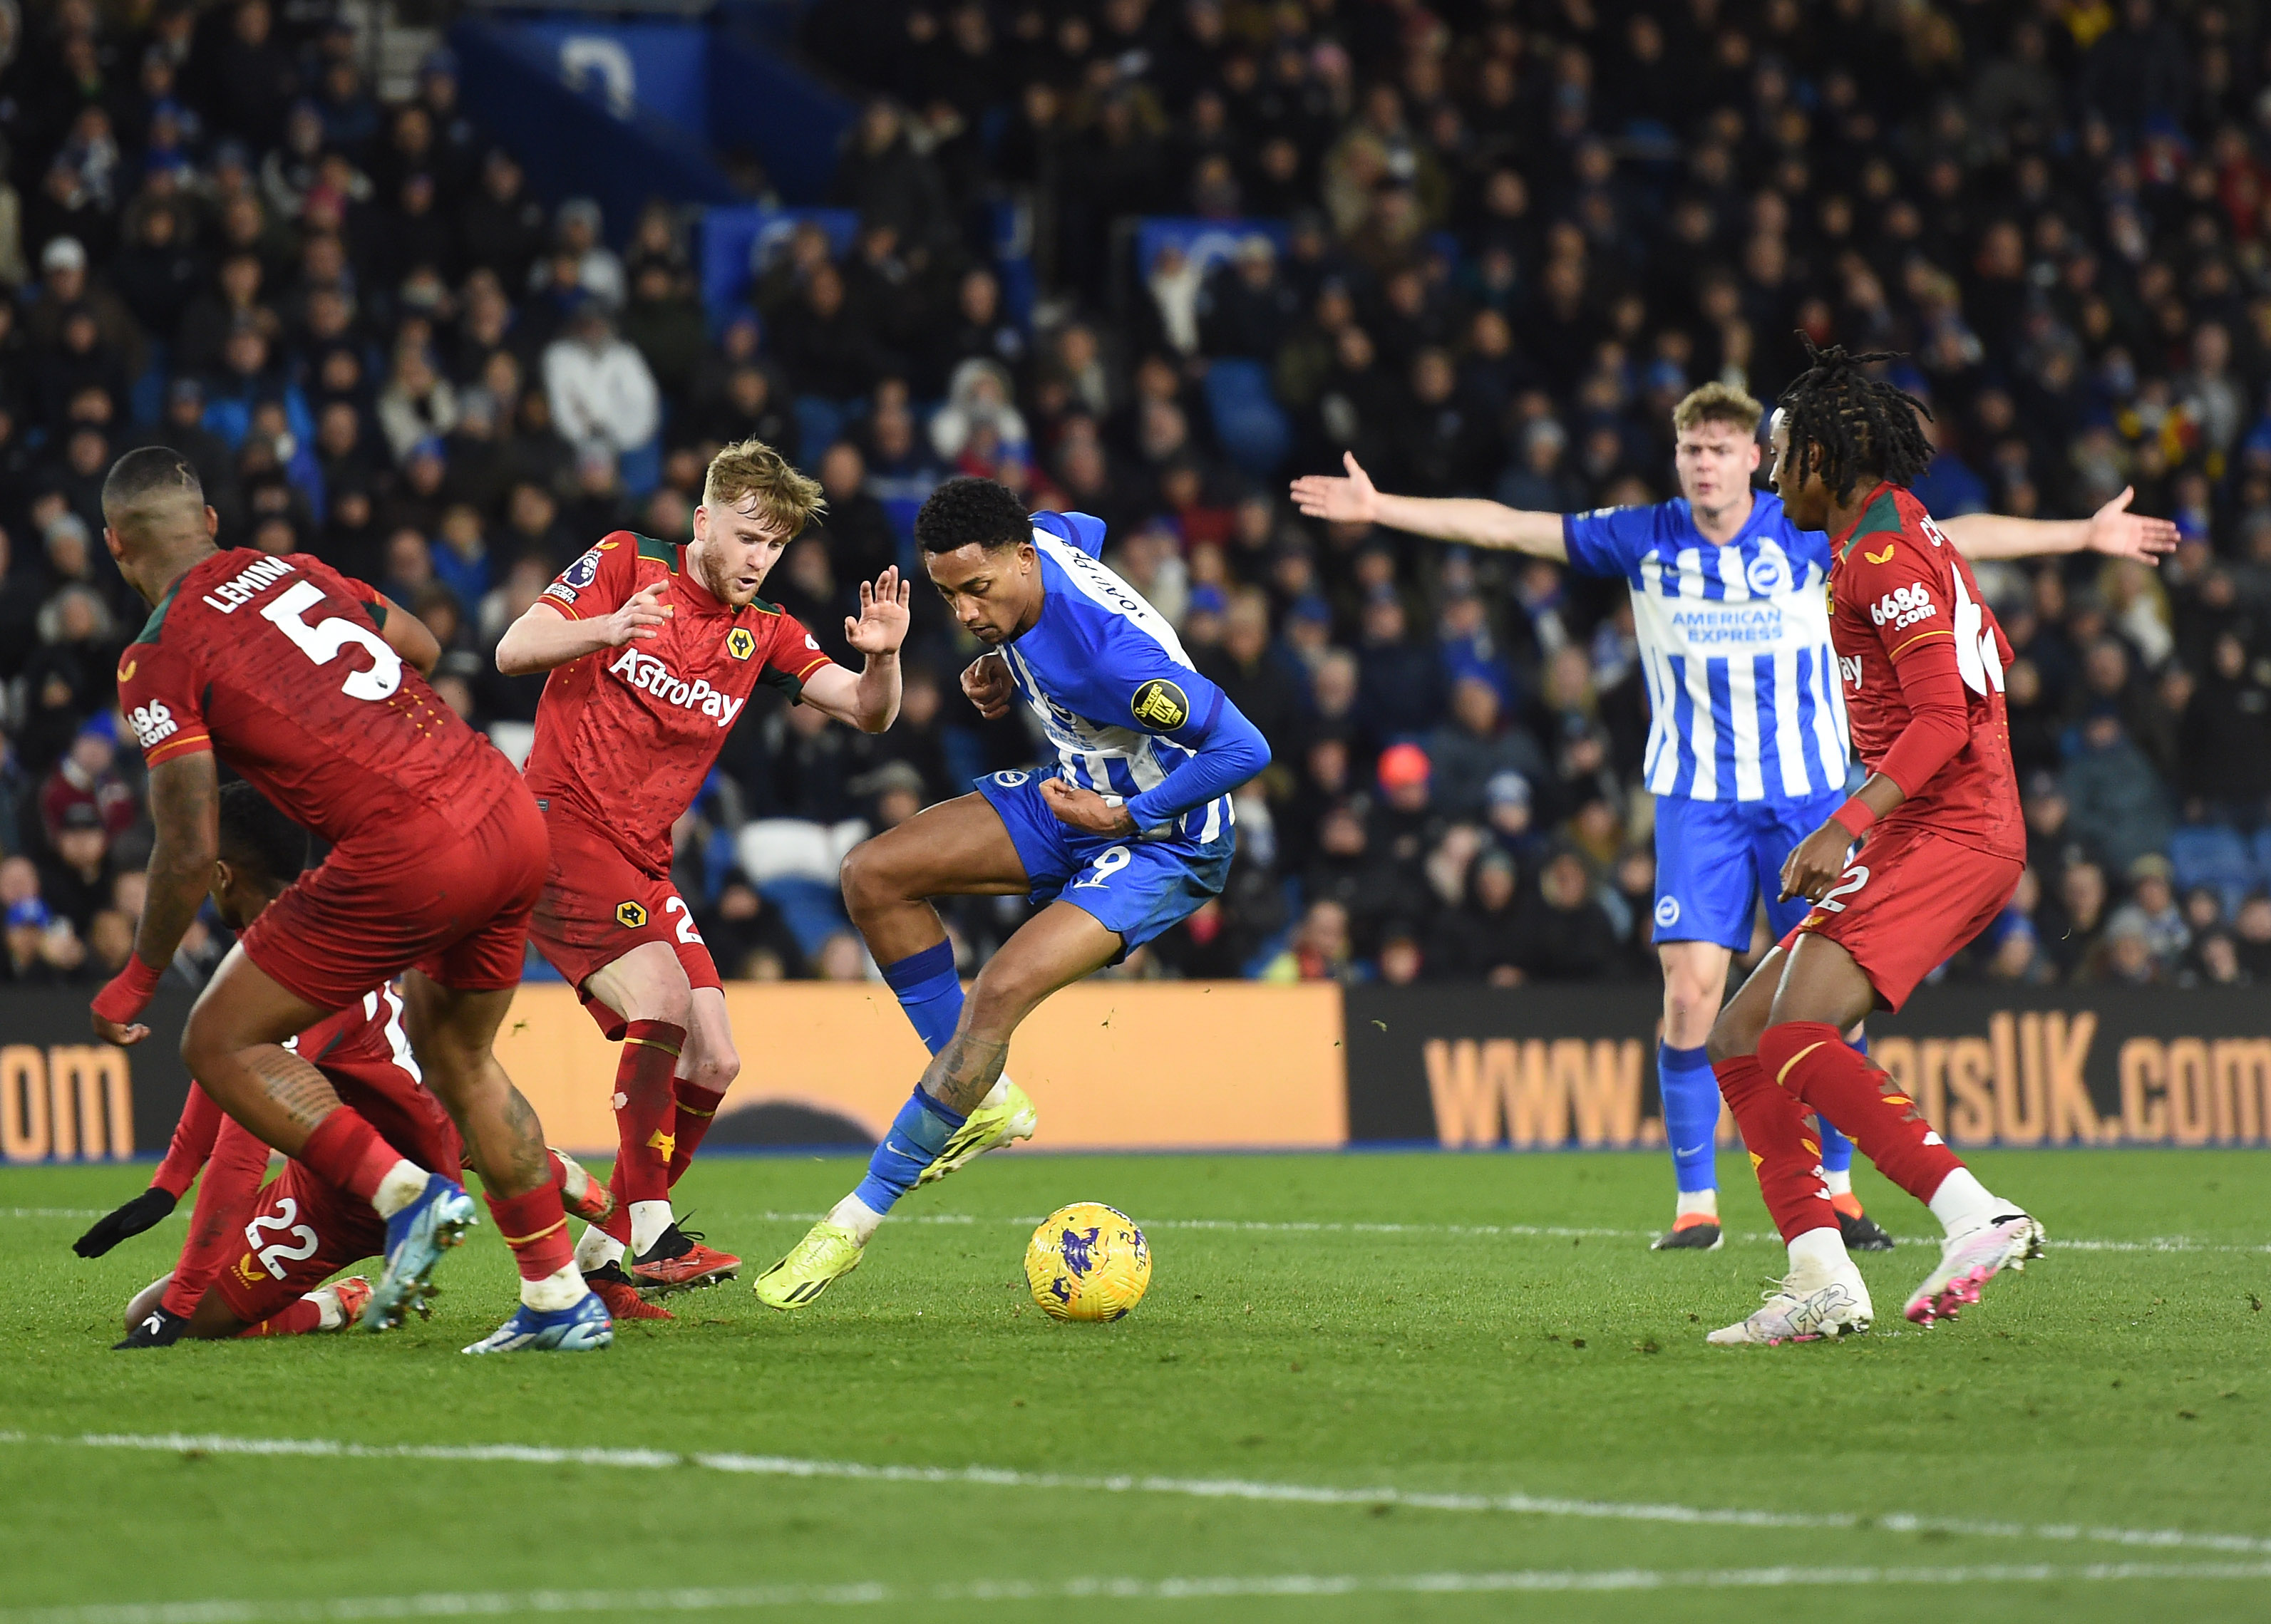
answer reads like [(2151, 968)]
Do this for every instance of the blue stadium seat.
[(1248, 419), (2213, 854)]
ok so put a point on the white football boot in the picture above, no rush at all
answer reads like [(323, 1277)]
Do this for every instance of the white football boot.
[(1970, 1259), (1805, 1305)]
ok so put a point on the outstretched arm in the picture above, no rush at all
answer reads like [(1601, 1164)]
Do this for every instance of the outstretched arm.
[(868, 699), (1468, 519), (2112, 529), (544, 637), (185, 806)]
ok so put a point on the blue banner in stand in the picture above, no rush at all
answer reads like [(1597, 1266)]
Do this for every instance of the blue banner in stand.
[(1203, 243), (738, 243), (660, 66)]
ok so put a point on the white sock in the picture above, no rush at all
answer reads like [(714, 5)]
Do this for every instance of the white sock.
[(649, 1219), (405, 1182), (855, 1215), (998, 1095), (560, 1289), (1696, 1201), (1819, 1252), (1840, 1182), (331, 1315), (597, 1249), (1961, 1202)]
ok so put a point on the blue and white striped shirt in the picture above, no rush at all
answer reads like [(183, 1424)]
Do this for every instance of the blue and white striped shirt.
[(1108, 678), (1734, 641)]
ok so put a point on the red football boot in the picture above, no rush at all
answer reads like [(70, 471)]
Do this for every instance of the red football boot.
[(613, 1288), (583, 1195), (678, 1261)]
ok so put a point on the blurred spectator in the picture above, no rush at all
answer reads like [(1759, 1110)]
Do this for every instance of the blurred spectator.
[(601, 393)]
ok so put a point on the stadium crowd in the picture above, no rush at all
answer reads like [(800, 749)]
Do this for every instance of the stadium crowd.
[(1503, 237)]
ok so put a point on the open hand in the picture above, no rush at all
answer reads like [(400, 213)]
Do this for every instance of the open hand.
[(1352, 500), (1084, 808), (986, 682), (2119, 533), (640, 616), (880, 625)]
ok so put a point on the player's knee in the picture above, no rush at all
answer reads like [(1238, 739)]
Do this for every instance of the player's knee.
[(1731, 1036), (716, 1071), (868, 882)]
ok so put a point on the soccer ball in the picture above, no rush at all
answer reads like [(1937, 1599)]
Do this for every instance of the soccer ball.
[(1088, 1262)]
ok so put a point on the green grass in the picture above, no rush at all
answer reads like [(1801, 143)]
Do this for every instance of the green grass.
[(2109, 1389)]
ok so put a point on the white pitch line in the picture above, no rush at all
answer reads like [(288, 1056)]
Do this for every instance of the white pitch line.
[(1199, 1488), (1551, 1232), (458, 1604), (1546, 1231)]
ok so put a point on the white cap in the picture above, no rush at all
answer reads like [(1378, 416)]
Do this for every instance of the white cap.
[(64, 254)]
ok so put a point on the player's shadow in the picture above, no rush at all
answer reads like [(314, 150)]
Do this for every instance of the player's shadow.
[(779, 1124)]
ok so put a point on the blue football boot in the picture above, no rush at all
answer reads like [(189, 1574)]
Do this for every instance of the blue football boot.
[(416, 1237), (577, 1328)]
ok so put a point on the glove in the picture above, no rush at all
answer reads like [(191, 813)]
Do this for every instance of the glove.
[(161, 1328), (147, 1211)]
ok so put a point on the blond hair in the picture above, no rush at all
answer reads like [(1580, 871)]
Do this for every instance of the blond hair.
[(785, 498), (1716, 402)]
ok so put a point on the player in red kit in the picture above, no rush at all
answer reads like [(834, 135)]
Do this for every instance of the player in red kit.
[(654, 651), (1941, 846), (304, 683), (251, 1255)]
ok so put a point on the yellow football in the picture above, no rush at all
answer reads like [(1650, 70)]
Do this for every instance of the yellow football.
[(1088, 1262)]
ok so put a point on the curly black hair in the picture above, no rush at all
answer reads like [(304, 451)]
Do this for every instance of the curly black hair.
[(1848, 426), (258, 838), (969, 510)]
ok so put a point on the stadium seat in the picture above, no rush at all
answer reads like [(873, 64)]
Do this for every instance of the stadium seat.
[(2213, 854), (772, 849), (1248, 419)]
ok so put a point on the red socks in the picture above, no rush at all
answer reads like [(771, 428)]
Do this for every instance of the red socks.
[(1778, 1132), (1809, 1059), (697, 1108), (297, 1320), (536, 1228), (346, 1151), (645, 1107)]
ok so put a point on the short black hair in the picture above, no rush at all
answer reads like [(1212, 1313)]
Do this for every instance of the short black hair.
[(968, 509), (257, 837), (1844, 425), (150, 470)]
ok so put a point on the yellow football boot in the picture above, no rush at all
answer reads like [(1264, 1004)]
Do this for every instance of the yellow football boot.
[(989, 1127), (825, 1256)]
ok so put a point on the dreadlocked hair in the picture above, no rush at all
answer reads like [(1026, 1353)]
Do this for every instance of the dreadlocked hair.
[(1844, 423)]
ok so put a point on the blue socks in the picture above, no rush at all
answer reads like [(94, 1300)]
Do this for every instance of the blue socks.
[(1691, 1114), (918, 1134), (930, 991)]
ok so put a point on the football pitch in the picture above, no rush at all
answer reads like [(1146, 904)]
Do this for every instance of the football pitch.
[(1408, 1386)]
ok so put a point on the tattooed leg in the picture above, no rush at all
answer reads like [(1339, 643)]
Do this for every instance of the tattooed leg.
[(453, 1032), (233, 1046)]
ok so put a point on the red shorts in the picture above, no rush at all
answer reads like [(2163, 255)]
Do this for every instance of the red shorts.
[(303, 1231), (598, 905), (452, 902), (1907, 903)]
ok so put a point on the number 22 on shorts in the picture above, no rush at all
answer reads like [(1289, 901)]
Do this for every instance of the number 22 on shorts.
[(1855, 878)]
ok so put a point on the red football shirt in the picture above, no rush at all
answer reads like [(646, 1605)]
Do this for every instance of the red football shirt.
[(626, 735), (275, 663), (1898, 592)]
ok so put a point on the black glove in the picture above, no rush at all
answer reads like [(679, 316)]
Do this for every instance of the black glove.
[(162, 1328), (147, 1211)]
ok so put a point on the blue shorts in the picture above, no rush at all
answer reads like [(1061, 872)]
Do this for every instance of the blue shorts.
[(1716, 859), (1138, 888)]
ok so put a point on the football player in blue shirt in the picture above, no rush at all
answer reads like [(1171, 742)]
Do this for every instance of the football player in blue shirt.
[(1747, 752), (1128, 832)]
